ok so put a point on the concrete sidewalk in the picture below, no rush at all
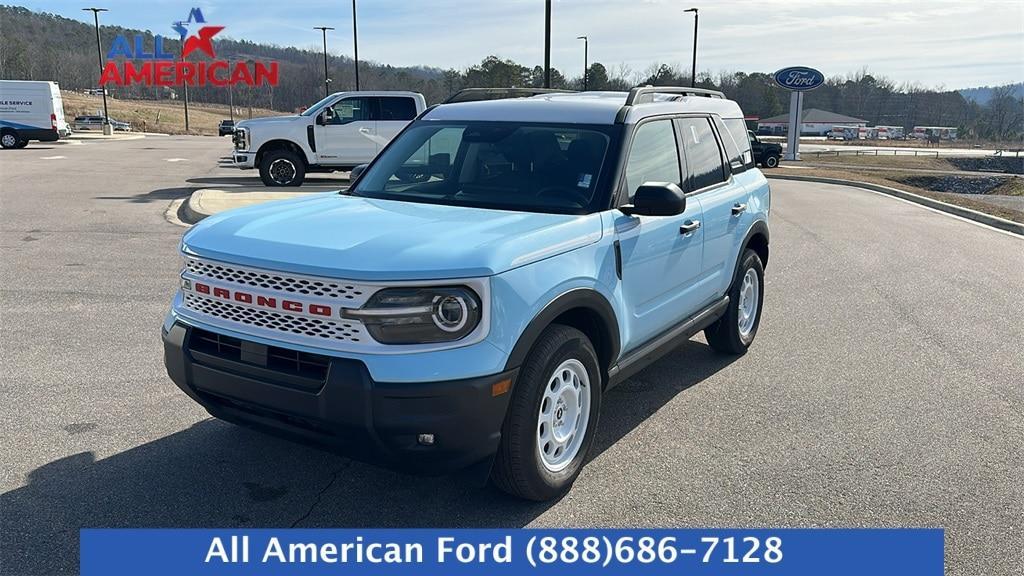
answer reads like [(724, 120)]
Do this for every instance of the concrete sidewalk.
[(209, 201)]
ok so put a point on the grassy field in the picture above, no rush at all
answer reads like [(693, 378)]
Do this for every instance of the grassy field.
[(165, 116)]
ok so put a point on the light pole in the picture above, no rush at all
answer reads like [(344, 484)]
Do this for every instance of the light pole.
[(99, 59), (355, 42), (693, 70), (586, 48), (547, 43), (327, 80)]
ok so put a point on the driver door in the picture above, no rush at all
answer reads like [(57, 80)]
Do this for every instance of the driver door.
[(348, 135)]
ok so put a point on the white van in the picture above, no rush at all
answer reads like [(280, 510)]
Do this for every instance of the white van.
[(30, 110)]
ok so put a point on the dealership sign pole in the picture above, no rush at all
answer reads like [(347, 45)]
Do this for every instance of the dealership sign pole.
[(797, 79)]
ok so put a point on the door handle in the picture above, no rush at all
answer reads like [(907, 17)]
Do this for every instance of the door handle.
[(364, 130), (689, 227), (738, 209)]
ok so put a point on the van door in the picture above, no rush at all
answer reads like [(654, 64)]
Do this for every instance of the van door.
[(349, 137), (661, 255), (723, 198)]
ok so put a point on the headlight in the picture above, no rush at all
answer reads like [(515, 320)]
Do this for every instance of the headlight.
[(419, 315)]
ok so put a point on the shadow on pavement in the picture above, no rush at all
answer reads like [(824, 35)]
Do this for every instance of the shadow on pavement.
[(214, 474), (159, 195), (311, 180)]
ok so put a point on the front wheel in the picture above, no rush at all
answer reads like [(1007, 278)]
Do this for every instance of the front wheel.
[(551, 418), (771, 162), (734, 332), (282, 168), (9, 139)]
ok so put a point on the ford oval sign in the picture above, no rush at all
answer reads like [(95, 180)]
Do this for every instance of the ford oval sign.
[(799, 78)]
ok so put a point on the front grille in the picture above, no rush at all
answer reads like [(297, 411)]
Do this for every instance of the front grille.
[(274, 281), (326, 328), (283, 360)]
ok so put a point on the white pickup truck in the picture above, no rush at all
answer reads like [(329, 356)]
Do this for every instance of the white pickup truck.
[(340, 132)]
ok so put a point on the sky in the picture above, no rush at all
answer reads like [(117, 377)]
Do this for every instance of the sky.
[(934, 43)]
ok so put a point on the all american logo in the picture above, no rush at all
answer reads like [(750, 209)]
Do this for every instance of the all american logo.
[(162, 68)]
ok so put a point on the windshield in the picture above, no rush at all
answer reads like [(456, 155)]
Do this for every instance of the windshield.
[(526, 167), (315, 107)]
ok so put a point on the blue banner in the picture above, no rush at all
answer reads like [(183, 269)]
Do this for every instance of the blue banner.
[(792, 552)]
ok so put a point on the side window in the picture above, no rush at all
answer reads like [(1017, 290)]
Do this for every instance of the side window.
[(653, 157), (737, 142), (352, 110), (703, 157), (397, 108)]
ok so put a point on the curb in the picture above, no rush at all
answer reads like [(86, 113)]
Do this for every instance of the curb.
[(189, 214), (987, 219), (206, 202)]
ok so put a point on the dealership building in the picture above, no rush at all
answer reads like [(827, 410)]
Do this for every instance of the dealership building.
[(814, 122)]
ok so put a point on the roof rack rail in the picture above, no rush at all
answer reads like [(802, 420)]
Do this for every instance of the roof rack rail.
[(478, 94), (642, 94)]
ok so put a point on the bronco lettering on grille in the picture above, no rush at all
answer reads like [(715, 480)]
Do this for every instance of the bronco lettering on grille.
[(247, 298)]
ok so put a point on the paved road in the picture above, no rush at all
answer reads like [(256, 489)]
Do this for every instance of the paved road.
[(885, 388)]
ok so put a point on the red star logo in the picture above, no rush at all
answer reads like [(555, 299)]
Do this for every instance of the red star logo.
[(203, 41)]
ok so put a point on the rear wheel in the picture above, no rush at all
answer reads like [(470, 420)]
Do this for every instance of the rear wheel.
[(282, 168), (551, 418), (9, 139), (771, 161), (734, 332)]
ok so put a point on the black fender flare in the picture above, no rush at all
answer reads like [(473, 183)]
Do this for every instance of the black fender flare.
[(587, 298), (759, 227)]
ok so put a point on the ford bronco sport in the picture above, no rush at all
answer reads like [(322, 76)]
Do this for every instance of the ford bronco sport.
[(482, 283)]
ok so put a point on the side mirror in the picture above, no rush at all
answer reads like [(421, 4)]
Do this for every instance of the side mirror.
[(327, 116), (356, 172), (656, 199)]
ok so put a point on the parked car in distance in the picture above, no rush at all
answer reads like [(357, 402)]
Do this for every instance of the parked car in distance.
[(482, 283), (226, 128), (30, 110), (766, 154), (96, 123), (340, 132)]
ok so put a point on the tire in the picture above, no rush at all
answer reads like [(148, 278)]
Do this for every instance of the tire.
[(21, 144), (9, 139), (734, 332), (524, 467), (771, 161), (282, 168)]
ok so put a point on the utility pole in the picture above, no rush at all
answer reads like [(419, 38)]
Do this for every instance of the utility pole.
[(547, 43), (184, 85), (355, 42), (586, 62), (693, 70), (99, 59), (327, 80)]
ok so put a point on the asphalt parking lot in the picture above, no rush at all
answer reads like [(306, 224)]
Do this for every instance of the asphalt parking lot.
[(885, 388)]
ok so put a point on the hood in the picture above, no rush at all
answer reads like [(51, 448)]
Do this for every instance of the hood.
[(356, 238), (269, 120)]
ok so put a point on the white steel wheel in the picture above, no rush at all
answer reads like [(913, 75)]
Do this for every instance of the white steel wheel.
[(563, 416), (748, 304)]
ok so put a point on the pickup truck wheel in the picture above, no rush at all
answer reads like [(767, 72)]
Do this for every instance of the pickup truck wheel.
[(551, 418), (8, 139), (282, 168), (734, 332), (771, 161)]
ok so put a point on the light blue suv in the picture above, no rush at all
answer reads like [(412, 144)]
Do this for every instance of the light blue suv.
[(482, 283)]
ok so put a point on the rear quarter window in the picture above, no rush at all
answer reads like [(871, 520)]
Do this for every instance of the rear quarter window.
[(397, 108), (737, 142)]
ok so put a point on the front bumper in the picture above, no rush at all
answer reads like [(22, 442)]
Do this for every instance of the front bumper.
[(243, 160), (333, 402)]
